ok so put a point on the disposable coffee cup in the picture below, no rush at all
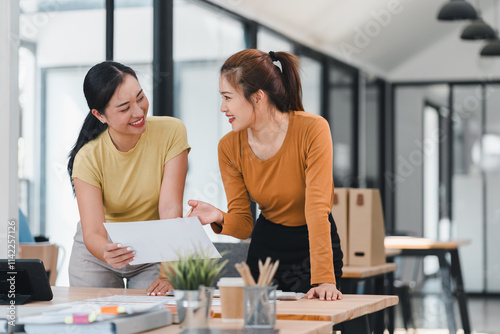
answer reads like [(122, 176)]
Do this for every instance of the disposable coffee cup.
[(231, 298)]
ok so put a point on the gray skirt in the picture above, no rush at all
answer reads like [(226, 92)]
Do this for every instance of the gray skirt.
[(88, 271)]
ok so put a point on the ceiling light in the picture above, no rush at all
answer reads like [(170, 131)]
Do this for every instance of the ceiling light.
[(457, 10), (492, 48), (478, 29)]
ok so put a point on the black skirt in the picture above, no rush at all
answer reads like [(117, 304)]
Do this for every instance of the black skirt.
[(291, 246)]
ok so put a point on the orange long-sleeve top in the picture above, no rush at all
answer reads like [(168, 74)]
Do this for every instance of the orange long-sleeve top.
[(293, 188)]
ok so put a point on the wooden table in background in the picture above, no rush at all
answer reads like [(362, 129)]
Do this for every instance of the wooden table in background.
[(360, 272), (421, 247)]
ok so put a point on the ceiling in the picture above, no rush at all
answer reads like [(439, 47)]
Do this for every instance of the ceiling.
[(396, 39)]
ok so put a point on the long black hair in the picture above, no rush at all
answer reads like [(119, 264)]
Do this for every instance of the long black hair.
[(99, 86)]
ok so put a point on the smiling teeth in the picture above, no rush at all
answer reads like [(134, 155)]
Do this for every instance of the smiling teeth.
[(138, 122)]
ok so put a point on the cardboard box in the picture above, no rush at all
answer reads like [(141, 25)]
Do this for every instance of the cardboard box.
[(366, 228), (340, 213)]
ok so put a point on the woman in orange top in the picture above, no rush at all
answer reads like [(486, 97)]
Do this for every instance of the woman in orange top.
[(280, 157)]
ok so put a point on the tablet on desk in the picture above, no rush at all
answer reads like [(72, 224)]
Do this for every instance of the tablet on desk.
[(23, 280)]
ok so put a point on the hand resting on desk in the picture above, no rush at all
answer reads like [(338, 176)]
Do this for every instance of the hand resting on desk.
[(325, 291), (159, 287)]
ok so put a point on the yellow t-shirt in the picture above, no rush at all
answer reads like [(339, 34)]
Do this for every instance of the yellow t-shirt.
[(131, 181), (294, 187)]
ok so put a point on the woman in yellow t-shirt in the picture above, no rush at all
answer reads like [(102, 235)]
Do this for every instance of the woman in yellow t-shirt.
[(281, 157), (124, 167)]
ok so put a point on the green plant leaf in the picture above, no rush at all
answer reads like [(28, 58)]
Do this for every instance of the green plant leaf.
[(193, 270)]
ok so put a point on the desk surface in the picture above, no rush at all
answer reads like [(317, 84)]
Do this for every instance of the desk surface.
[(421, 243), (367, 271), (350, 307), (285, 326)]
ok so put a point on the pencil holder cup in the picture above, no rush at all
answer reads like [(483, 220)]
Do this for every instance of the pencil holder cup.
[(259, 306), (193, 307)]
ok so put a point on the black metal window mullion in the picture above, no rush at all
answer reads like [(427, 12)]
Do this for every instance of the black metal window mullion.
[(163, 62), (381, 91), (355, 131), (250, 32), (251, 29), (446, 159), (388, 173), (110, 18), (43, 152), (325, 89)]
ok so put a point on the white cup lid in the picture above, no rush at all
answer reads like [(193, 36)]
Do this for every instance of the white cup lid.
[(230, 281)]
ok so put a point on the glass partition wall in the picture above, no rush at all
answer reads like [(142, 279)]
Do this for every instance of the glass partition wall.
[(342, 114), (213, 37), (490, 161), (55, 55), (461, 121)]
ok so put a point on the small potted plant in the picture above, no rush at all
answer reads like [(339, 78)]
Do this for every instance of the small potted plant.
[(193, 278)]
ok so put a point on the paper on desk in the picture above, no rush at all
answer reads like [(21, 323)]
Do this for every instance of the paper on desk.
[(162, 240), (165, 300)]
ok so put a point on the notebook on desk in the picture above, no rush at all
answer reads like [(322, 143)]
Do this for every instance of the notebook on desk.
[(122, 325)]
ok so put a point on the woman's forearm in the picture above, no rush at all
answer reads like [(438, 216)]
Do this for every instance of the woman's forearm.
[(95, 243), (172, 211)]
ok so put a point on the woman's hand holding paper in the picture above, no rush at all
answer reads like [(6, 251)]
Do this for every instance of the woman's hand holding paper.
[(118, 256)]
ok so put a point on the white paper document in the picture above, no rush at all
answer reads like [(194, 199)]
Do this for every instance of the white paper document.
[(162, 240)]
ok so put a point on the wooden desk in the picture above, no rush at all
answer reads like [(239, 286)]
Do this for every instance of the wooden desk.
[(405, 243), (71, 294), (367, 271), (350, 312), (392, 252), (411, 246)]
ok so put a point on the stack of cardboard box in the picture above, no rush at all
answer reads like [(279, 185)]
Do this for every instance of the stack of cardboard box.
[(360, 223)]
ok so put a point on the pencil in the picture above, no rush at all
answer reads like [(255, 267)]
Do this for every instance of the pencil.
[(189, 212)]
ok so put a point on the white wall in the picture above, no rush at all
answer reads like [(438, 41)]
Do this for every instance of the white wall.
[(9, 126)]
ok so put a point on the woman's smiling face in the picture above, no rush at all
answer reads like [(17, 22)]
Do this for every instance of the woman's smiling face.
[(238, 109), (127, 109)]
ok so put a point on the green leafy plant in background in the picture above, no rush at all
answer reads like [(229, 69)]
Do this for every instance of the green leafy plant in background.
[(193, 270)]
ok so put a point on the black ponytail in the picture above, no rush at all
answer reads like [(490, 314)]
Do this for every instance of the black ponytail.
[(99, 86)]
